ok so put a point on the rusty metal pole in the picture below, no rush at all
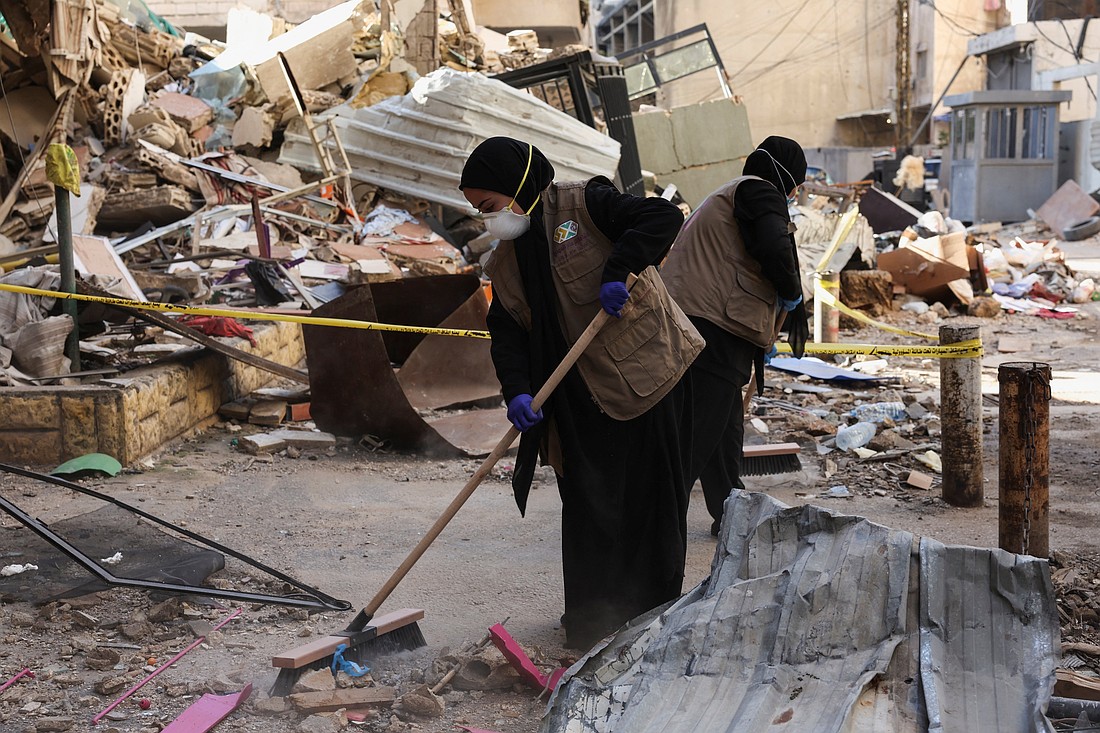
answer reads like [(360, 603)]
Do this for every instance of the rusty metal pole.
[(826, 317), (961, 416), (1024, 478)]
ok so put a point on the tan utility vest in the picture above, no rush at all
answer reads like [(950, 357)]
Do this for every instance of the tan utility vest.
[(711, 274), (635, 360)]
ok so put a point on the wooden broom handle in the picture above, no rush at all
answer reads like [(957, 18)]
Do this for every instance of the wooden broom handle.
[(486, 466)]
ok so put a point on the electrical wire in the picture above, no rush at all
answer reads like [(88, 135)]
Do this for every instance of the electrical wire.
[(954, 24), (1076, 52), (773, 39)]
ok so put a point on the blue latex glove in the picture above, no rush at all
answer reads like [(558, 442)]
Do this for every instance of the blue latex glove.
[(521, 415), (613, 297), (350, 668), (789, 305), (770, 354)]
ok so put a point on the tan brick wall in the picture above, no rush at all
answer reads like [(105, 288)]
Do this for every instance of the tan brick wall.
[(150, 406)]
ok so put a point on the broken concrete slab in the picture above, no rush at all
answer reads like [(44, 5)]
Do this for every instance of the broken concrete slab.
[(262, 443), (162, 205), (416, 144), (255, 127), (305, 439), (1068, 206), (679, 145)]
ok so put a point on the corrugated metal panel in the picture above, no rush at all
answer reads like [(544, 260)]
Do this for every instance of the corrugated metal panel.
[(820, 622), (417, 144)]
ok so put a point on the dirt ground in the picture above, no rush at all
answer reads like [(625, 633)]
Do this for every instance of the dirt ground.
[(343, 520)]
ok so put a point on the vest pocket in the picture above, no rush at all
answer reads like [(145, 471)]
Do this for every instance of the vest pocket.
[(644, 369), (581, 274), (755, 312)]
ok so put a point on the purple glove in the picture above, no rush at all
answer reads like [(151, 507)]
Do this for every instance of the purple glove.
[(521, 415), (613, 297)]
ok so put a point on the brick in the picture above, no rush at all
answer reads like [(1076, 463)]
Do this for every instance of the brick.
[(188, 112)]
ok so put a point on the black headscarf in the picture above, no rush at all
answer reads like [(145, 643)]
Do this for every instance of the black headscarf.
[(778, 160), (498, 165)]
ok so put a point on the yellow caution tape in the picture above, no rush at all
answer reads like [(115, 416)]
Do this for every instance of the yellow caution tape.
[(831, 300), (968, 349), (843, 228), (962, 350), (249, 315)]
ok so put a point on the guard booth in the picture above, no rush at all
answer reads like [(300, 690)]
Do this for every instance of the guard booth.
[(1003, 152)]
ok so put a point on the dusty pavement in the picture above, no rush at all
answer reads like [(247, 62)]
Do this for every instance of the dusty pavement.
[(343, 520)]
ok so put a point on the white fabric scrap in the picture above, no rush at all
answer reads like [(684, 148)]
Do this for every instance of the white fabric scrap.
[(114, 559), (9, 570)]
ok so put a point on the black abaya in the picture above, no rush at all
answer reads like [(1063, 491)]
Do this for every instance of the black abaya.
[(623, 484)]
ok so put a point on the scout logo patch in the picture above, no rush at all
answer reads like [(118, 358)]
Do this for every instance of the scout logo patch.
[(565, 232)]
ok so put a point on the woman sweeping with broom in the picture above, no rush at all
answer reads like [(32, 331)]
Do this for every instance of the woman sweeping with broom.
[(611, 430)]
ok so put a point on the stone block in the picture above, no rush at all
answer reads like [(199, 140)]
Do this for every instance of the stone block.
[(135, 415), (653, 132), (711, 132), (34, 408), (695, 184)]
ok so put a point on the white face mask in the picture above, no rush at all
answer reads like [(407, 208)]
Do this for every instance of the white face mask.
[(506, 224)]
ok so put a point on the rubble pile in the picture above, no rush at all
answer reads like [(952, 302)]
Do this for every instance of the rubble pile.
[(177, 139), (892, 256)]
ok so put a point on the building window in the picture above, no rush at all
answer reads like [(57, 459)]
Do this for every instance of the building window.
[(625, 24), (1038, 139), (1000, 125)]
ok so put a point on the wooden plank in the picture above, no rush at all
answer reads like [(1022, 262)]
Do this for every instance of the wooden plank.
[(1068, 206), (323, 647), (774, 449), (351, 697), (1071, 684)]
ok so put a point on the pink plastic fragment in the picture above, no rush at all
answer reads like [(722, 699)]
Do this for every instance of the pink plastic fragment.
[(208, 712), (515, 655)]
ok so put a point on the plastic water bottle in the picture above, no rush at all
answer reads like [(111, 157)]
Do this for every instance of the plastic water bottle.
[(879, 411), (855, 436)]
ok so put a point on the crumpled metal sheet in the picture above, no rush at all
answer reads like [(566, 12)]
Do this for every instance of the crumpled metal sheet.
[(418, 143), (355, 390), (813, 621)]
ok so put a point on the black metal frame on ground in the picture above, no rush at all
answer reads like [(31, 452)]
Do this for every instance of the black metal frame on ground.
[(316, 599), (588, 79)]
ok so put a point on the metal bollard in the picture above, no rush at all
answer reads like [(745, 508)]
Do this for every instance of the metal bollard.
[(826, 317), (1024, 479), (961, 408)]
